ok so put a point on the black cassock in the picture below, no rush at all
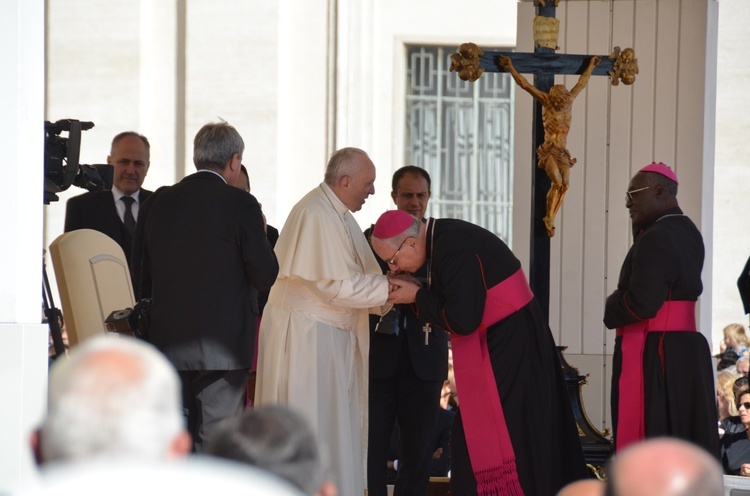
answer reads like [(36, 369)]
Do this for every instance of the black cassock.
[(665, 263), (463, 258), (743, 285)]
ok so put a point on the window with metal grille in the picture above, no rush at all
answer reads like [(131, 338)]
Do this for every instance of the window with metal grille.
[(461, 133)]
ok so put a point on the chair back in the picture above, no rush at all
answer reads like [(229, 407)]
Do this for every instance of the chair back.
[(93, 280)]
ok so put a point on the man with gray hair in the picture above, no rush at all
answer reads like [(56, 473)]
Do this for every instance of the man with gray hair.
[(743, 365), (112, 398), (315, 335), (201, 254), (664, 467), (278, 440)]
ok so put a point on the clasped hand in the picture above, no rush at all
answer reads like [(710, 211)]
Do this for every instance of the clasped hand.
[(402, 288)]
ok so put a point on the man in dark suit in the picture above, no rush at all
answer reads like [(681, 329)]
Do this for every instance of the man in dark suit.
[(112, 212), (407, 370), (243, 183), (200, 252)]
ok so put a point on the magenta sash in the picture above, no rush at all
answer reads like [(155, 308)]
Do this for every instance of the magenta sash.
[(493, 460), (631, 406)]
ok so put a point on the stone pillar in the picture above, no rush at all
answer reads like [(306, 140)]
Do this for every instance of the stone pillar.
[(23, 339)]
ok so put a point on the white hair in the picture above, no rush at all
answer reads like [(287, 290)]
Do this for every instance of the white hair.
[(114, 397)]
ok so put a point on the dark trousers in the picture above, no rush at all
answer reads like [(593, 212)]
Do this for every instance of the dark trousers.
[(414, 404), (208, 397)]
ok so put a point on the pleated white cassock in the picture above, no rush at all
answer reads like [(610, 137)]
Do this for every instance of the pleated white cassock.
[(314, 335)]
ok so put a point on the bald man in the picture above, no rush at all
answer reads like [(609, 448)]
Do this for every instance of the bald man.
[(665, 467), (113, 398)]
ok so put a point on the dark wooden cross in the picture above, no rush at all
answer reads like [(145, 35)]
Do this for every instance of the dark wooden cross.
[(544, 64)]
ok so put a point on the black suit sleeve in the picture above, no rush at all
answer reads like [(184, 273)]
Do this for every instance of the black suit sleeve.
[(140, 271), (258, 256), (272, 234), (73, 217), (743, 284)]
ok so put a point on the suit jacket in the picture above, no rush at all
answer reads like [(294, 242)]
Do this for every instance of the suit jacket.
[(201, 254), (97, 211), (430, 361), (743, 284)]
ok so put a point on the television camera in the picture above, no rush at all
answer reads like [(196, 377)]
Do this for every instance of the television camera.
[(61, 166)]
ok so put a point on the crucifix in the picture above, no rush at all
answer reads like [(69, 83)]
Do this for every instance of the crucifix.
[(552, 119)]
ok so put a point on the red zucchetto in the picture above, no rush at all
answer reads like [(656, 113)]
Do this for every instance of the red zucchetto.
[(662, 169), (392, 223)]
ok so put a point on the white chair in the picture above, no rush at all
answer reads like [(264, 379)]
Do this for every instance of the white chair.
[(93, 280)]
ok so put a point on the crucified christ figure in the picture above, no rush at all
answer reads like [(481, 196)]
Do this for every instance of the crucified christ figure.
[(553, 155)]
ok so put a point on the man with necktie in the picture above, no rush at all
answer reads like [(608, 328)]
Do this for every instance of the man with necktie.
[(114, 212)]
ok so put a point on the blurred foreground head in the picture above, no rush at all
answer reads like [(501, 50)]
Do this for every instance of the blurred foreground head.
[(113, 397), (664, 467)]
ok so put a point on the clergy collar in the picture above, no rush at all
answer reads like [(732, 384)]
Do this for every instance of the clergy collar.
[(671, 211), (335, 202), (428, 241)]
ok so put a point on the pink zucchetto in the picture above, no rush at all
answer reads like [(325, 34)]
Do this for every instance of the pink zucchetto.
[(392, 223), (662, 169)]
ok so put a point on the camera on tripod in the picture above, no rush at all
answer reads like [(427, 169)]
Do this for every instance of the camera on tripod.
[(61, 167)]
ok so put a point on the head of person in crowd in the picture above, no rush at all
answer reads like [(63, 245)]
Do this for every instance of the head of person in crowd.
[(742, 402), (411, 190), (243, 180), (351, 175), (129, 156), (743, 365), (112, 398), (219, 147), (664, 467), (399, 239), (725, 360), (277, 439), (584, 487), (740, 384), (735, 339), (725, 397), (651, 191)]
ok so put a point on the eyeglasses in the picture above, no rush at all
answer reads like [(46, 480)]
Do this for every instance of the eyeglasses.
[(629, 194), (392, 261), (745, 404)]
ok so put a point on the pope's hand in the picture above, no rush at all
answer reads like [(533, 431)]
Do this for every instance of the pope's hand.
[(402, 291)]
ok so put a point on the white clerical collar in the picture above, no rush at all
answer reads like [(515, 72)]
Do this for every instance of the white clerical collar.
[(337, 204), (214, 172), (117, 194)]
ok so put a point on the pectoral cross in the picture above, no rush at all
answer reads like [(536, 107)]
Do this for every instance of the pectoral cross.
[(426, 330)]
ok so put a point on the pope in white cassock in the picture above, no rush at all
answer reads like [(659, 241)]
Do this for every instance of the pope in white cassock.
[(314, 335)]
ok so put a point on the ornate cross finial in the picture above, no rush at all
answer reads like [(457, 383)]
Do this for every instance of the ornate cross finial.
[(466, 62), (625, 66)]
